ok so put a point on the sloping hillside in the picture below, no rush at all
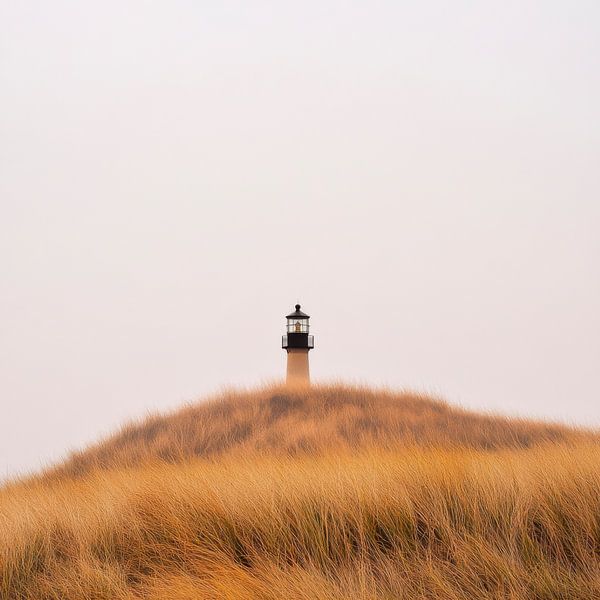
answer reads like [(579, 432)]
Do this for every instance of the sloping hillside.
[(330, 493), (280, 421)]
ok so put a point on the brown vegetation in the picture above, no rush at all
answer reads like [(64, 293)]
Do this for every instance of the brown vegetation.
[(281, 421), (327, 493)]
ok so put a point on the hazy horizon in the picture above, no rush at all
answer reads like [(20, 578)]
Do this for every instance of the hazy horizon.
[(423, 178)]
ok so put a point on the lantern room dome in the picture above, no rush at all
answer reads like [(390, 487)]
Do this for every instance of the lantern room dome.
[(298, 314)]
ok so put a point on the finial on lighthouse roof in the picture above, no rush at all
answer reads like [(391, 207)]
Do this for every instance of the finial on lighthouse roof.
[(298, 314)]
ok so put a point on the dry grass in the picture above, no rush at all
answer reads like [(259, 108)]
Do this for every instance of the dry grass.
[(279, 421), (329, 493)]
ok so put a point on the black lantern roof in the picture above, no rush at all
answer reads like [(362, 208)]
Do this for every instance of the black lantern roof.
[(298, 314)]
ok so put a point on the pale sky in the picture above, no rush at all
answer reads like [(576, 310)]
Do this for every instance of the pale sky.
[(424, 177)]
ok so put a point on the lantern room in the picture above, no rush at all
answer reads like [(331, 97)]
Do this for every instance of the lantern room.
[(297, 331), (297, 322)]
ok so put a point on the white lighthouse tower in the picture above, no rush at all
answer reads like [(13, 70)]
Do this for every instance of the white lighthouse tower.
[(297, 342)]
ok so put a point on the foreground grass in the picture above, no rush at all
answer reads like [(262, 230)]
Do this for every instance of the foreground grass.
[(484, 518), (409, 524)]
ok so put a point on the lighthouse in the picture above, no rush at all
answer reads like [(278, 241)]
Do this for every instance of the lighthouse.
[(297, 342)]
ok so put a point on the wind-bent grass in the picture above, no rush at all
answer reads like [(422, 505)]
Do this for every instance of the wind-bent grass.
[(335, 519)]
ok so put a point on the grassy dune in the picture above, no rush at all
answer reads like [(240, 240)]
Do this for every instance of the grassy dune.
[(328, 493)]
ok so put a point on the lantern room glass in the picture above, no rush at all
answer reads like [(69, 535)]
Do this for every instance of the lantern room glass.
[(297, 325)]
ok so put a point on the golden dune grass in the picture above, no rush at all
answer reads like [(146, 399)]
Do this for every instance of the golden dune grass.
[(283, 421), (327, 493)]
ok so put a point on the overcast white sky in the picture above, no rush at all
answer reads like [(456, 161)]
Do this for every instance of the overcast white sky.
[(424, 177)]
